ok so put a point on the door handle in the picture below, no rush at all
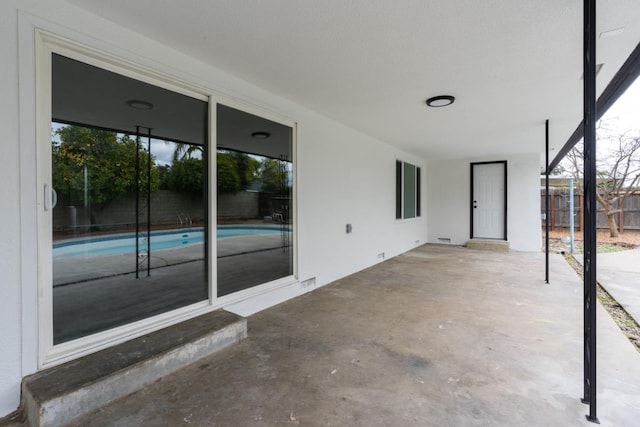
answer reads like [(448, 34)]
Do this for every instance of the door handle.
[(50, 198)]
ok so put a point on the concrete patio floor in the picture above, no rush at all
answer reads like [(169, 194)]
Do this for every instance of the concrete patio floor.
[(439, 336), (619, 273)]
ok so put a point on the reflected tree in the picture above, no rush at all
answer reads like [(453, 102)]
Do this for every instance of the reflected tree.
[(228, 175), (95, 166), (186, 176), (274, 176)]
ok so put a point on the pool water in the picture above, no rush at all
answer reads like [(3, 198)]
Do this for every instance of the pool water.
[(126, 243)]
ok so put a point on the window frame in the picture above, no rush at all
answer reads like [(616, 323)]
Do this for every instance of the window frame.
[(402, 170)]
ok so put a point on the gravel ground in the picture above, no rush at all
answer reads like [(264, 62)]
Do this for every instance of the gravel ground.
[(559, 241), (630, 238)]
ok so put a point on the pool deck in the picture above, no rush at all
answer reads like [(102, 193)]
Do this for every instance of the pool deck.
[(97, 300), (70, 269)]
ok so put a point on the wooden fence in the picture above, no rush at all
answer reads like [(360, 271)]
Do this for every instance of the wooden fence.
[(628, 218)]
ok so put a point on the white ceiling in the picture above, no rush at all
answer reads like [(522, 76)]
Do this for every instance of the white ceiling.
[(371, 64)]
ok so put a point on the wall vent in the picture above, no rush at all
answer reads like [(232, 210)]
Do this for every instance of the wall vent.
[(381, 255), (444, 239), (308, 283)]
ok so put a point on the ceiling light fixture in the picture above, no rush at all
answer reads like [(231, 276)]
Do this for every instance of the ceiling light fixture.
[(136, 104), (440, 101), (260, 135)]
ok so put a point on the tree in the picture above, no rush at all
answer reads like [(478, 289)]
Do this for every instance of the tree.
[(228, 175), (247, 167), (98, 164), (184, 150), (253, 170), (164, 171), (618, 170), (186, 175), (274, 176)]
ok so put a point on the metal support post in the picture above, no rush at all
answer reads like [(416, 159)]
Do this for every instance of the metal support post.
[(589, 232), (137, 200), (572, 222), (148, 201), (546, 204)]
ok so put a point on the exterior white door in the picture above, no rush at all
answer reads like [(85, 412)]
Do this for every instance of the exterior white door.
[(488, 207)]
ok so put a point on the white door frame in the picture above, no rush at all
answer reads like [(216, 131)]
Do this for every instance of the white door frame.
[(472, 199)]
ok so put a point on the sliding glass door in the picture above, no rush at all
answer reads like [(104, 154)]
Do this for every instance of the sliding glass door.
[(254, 196), (130, 201), (139, 228)]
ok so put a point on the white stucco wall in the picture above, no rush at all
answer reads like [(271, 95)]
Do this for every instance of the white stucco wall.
[(448, 192), (363, 194), (10, 285), (344, 176)]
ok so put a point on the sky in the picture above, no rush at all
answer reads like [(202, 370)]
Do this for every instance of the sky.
[(163, 153), (624, 115)]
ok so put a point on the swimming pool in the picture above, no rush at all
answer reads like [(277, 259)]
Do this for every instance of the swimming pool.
[(126, 243)]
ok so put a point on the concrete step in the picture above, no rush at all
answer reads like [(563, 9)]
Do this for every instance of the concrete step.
[(58, 395), (488, 245)]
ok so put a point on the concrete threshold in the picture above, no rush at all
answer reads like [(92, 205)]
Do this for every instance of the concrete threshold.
[(488, 245), (63, 393)]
